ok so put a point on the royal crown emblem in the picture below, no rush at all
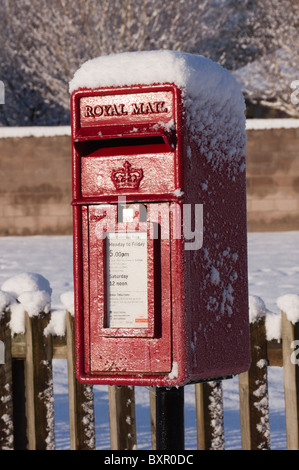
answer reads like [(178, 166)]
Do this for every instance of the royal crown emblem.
[(127, 177)]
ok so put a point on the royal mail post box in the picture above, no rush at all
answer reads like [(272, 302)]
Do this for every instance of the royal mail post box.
[(160, 257)]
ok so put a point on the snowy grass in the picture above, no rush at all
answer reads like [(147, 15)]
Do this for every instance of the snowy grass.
[(273, 272)]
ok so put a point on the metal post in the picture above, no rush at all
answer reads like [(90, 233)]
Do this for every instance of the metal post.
[(170, 418)]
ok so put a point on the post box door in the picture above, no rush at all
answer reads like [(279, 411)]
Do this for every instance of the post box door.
[(127, 295)]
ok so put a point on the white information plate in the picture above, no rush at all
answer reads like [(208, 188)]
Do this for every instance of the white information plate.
[(127, 280)]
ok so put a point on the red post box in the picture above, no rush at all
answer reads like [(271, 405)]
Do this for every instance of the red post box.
[(160, 239)]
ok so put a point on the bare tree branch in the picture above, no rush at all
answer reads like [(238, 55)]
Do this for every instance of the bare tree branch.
[(43, 43)]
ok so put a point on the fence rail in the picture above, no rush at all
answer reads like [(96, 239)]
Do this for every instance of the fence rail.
[(27, 399)]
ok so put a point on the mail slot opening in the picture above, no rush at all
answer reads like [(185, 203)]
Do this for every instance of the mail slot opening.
[(127, 145)]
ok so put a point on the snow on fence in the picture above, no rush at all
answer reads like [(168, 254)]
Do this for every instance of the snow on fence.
[(31, 336)]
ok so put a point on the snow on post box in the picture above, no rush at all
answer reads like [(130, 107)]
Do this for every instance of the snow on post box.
[(159, 210)]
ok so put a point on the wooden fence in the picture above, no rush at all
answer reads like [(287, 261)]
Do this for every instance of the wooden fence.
[(27, 403)]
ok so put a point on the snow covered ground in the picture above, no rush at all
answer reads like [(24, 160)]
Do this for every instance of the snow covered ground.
[(273, 271), (50, 131)]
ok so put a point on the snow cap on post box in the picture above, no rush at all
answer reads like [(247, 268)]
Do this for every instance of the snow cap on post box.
[(211, 95)]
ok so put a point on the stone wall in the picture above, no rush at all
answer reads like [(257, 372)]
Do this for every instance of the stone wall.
[(273, 179), (35, 190)]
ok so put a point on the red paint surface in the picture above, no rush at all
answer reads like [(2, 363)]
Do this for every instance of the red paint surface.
[(198, 328), (124, 350), (109, 109), (158, 174)]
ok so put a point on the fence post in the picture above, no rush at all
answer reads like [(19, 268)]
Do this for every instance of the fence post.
[(6, 408), (39, 384), (81, 402), (122, 417), (290, 334), (153, 416), (209, 415), (253, 392)]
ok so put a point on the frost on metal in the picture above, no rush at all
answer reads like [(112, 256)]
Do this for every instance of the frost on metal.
[(222, 276)]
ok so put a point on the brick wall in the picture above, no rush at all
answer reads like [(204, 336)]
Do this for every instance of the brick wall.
[(273, 179), (35, 190)]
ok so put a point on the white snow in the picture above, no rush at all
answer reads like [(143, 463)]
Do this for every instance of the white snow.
[(178, 193), (38, 131), (48, 399), (289, 304), (175, 371), (35, 302), (88, 420), (273, 270), (53, 131), (212, 98), (273, 326), (26, 282), (215, 277), (17, 318), (67, 299), (257, 308), (28, 292), (262, 363), (57, 325), (195, 74), (216, 410), (8, 440), (260, 124), (5, 301)]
